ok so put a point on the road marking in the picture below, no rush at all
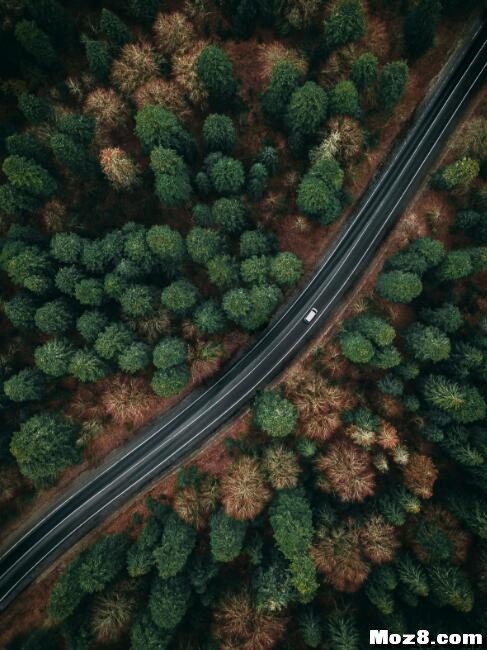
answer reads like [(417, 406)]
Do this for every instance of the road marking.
[(190, 423)]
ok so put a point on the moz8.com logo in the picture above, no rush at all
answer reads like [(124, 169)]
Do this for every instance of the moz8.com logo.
[(423, 637)]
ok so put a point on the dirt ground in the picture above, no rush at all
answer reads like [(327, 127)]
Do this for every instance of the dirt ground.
[(27, 610)]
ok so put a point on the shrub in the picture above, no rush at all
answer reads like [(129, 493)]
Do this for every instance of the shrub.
[(275, 98), (226, 537), (399, 286), (89, 292), (218, 133), (53, 357), (171, 381), (180, 297), (203, 244), (173, 33), (54, 317), (392, 83), (170, 352), (27, 385), (346, 23), (344, 99), (227, 176), (86, 366), (364, 70), (286, 269), (209, 318), (36, 42), (244, 493), (230, 215), (274, 414), (54, 448), (215, 71)]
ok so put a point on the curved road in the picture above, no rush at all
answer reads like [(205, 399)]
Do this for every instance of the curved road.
[(179, 432)]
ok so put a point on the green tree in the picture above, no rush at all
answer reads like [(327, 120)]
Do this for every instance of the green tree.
[(451, 586), (169, 600), (55, 317), (91, 323), (143, 11), (20, 310), (218, 133), (53, 357), (176, 545), (252, 308), (66, 594), (346, 23), (286, 269), (98, 56), (257, 182), (364, 70), (399, 286), (135, 358), (114, 28), (392, 83), (28, 146), (455, 265), (171, 175), (255, 270), (26, 175), (223, 272), (215, 71), (170, 352), (156, 126), (356, 347), (344, 99), (342, 632), (86, 366), (28, 384), (144, 635), (89, 292), (139, 300), (79, 127), (307, 110), (113, 340), (275, 98), (180, 297), (420, 26), (230, 215), (140, 558), (53, 451), (427, 343), (171, 381), (291, 521), (254, 242), (72, 155), (202, 215), (374, 328), (227, 176), (274, 414), (226, 536), (203, 244), (318, 191), (51, 16), (66, 247), (209, 318), (102, 561), (311, 628), (411, 574), (304, 579), (167, 244), (35, 109), (36, 42)]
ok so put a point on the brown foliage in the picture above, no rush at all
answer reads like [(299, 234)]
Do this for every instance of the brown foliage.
[(338, 556), (194, 505), (270, 54), (119, 168), (387, 436), (378, 540), (243, 489), (282, 467), (184, 70), (173, 33), (112, 613), (348, 470), (420, 475), (237, 624), (136, 64), (351, 140), (108, 108), (127, 399), (54, 216), (150, 329), (163, 92)]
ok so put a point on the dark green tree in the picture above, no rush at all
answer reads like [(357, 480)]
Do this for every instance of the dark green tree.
[(180, 297), (344, 99), (227, 176), (175, 547), (215, 71), (27, 385), (21, 309), (291, 521), (286, 269), (26, 175), (36, 42), (167, 244), (392, 83), (35, 109), (230, 215), (364, 70), (114, 28), (91, 323), (55, 317), (102, 561), (169, 600), (171, 381), (399, 286), (53, 357), (275, 98), (274, 414), (135, 358), (170, 352), (209, 318), (113, 340), (218, 133), (223, 272), (98, 56), (226, 536), (346, 23), (257, 182), (171, 177), (427, 343), (89, 292), (203, 244), (420, 26), (86, 366)]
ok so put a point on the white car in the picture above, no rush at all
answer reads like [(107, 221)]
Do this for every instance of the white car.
[(310, 315)]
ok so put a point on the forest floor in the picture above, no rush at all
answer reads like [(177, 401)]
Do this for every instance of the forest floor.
[(430, 214), (308, 240)]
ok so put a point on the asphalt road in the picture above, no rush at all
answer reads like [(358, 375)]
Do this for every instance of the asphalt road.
[(176, 434)]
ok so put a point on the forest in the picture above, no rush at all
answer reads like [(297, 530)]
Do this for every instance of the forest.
[(163, 167)]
